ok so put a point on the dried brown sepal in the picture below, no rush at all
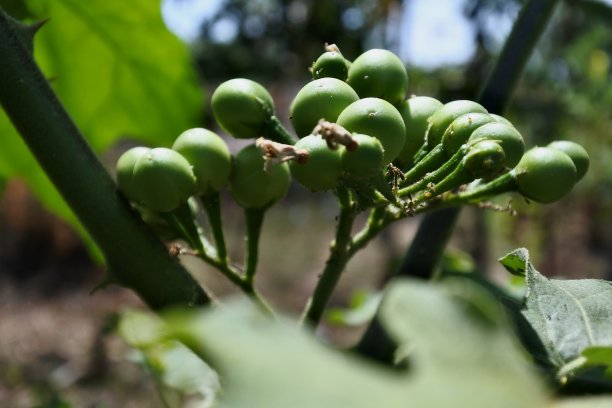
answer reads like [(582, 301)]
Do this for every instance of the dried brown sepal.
[(274, 152), (335, 135)]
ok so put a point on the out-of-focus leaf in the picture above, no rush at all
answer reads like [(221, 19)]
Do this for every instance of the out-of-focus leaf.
[(457, 340), (584, 402), (599, 356), (179, 372), (568, 315), (361, 309), (461, 354), (118, 71)]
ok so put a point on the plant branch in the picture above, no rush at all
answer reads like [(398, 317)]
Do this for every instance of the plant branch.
[(336, 262), (135, 257)]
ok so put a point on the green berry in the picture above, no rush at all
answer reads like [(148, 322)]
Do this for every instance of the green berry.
[(376, 117), (545, 175), (576, 152), (242, 107), (460, 129), (484, 159), (209, 156), (380, 74), (164, 179), (507, 136), (443, 117), (331, 64), (322, 169), (415, 111), (499, 118), (251, 186), (367, 160), (322, 98), (125, 171)]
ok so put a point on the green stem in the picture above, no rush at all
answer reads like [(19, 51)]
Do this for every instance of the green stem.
[(433, 160), (336, 262), (181, 219), (435, 175), (212, 206), (135, 258), (275, 131), (254, 220), (502, 184)]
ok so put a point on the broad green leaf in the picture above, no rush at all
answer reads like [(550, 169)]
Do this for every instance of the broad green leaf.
[(457, 340), (461, 354), (361, 309), (584, 402), (599, 356), (179, 373), (567, 315), (119, 73)]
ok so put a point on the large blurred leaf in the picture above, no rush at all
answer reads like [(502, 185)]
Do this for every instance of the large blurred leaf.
[(118, 71), (568, 315), (459, 344), (460, 351)]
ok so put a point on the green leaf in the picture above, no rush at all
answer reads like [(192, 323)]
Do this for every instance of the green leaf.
[(461, 354), (568, 315), (584, 402), (456, 338), (179, 372), (118, 71), (599, 356), (361, 309)]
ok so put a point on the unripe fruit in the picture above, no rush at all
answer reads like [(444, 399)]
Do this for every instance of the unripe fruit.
[(164, 179), (460, 130), (443, 117), (545, 175), (499, 118), (376, 117), (242, 107), (507, 136), (380, 74), (209, 157), (415, 111), (330, 64), (322, 169), (367, 160), (323, 98), (576, 152), (484, 159), (125, 171), (251, 186)]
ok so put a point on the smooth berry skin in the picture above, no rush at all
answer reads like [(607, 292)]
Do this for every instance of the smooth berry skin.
[(242, 107), (330, 64), (380, 74), (125, 171), (323, 98), (576, 152), (460, 130), (484, 159), (367, 160), (506, 135), (322, 169), (378, 118), (251, 186), (164, 179), (415, 112), (443, 117), (545, 175), (209, 157)]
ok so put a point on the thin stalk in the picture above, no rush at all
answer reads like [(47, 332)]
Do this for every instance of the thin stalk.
[(254, 220), (212, 207), (336, 262), (275, 131), (135, 258), (436, 228)]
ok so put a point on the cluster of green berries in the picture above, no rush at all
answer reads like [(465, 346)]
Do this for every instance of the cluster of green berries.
[(355, 128)]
